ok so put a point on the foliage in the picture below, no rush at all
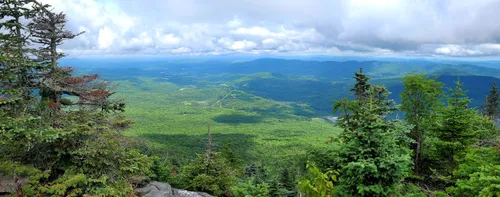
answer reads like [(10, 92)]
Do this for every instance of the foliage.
[(317, 183), (258, 172), (211, 173), (250, 189), (74, 149), (478, 174), (372, 160), (491, 107), (287, 182), (228, 152), (212, 176), (453, 134), (420, 100)]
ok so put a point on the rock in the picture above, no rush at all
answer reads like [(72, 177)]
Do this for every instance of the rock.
[(155, 189), (184, 193), (159, 189), (6, 185)]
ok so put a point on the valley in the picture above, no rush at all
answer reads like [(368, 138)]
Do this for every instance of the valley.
[(271, 109)]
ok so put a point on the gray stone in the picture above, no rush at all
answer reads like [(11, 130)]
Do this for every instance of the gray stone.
[(159, 189), (184, 193), (155, 189)]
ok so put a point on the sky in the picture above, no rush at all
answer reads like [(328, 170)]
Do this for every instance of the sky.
[(393, 28)]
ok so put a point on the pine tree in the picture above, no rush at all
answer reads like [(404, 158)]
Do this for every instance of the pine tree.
[(287, 180), (75, 152), (362, 87), (47, 29), (491, 107), (228, 152), (211, 173), (371, 161), (420, 100), (454, 134), (16, 70)]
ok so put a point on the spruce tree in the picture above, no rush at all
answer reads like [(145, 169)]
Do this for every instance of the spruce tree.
[(211, 173), (491, 107), (74, 152), (48, 30), (16, 70), (372, 160), (229, 153), (454, 133)]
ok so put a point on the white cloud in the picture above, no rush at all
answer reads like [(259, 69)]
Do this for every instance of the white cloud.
[(457, 50), (362, 27), (105, 38), (234, 23), (225, 42), (243, 45), (167, 39), (181, 50), (141, 41)]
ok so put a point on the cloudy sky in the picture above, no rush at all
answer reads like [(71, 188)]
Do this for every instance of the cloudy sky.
[(418, 28)]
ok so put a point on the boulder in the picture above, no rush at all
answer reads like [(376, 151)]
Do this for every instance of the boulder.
[(159, 189), (184, 193)]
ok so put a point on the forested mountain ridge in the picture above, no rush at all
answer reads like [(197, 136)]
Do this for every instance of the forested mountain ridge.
[(332, 70), (293, 80)]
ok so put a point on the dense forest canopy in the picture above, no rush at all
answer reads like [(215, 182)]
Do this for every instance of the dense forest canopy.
[(263, 127)]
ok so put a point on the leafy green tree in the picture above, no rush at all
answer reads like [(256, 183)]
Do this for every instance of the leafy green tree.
[(371, 161), (317, 183), (420, 100), (491, 107)]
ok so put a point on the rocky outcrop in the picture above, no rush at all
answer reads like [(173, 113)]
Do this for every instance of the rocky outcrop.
[(11, 184), (159, 189)]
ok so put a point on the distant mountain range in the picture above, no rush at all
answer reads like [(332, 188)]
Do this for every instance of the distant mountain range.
[(315, 83)]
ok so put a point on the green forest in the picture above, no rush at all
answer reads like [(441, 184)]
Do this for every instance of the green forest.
[(260, 128)]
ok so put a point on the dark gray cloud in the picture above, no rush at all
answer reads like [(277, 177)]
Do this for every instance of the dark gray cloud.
[(337, 27)]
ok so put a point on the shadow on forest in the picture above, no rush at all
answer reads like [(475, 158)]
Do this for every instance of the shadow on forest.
[(317, 94), (187, 146), (237, 119)]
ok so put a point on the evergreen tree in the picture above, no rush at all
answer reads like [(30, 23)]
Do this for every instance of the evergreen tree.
[(287, 181), (419, 100), (491, 107), (47, 29), (16, 70), (371, 161), (258, 172), (74, 152), (211, 173), (228, 152), (478, 173), (453, 135)]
